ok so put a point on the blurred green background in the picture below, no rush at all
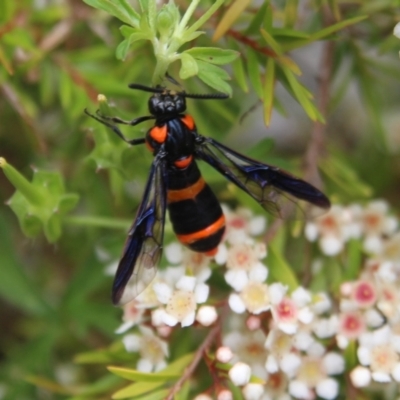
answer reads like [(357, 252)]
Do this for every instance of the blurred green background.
[(56, 56)]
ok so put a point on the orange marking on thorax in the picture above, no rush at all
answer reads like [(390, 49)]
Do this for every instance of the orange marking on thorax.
[(159, 133), (187, 193), (188, 121), (203, 233), (184, 162)]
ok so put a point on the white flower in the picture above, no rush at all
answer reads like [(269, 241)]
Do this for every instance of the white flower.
[(243, 264), (333, 229), (181, 302), (240, 374), (151, 348), (254, 298)]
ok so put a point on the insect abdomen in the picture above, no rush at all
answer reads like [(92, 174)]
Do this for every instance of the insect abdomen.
[(195, 212)]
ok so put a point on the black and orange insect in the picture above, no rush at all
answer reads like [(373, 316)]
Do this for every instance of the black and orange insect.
[(175, 182)]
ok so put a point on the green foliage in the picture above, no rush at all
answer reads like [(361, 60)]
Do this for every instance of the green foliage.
[(67, 221)]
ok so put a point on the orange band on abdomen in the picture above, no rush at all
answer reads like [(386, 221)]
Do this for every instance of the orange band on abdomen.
[(187, 193), (203, 233)]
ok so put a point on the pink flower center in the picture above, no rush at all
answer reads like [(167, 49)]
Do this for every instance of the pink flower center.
[(352, 325), (364, 293), (286, 310)]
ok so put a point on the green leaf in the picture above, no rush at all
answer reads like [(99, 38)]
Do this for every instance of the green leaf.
[(254, 73), (213, 55), (214, 76), (137, 389), (240, 74), (269, 86), (323, 33), (171, 371), (120, 9), (189, 66), (258, 20), (235, 9), (15, 286), (279, 269)]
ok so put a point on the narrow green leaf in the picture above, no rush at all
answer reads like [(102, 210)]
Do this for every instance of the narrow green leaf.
[(280, 270), (271, 42), (213, 55), (172, 371), (120, 9), (136, 389), (269, 86), (323, 33), (253, 68), (240, 74), (289, 33), (257, 22), (291, 12), (231, 15)]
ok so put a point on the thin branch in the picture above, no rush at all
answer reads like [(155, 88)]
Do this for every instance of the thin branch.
[(317, 143), (251, 43), (196, 360)]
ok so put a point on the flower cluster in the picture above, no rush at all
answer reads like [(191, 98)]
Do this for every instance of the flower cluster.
[(279, 343)]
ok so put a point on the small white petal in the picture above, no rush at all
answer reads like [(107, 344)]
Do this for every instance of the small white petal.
[(290, 363), (157, 316), (330, 245), (311, 232), (299, 390), (188, 320), (253, 391), (144, 365), (271, 364), (173, 253), (203, 397), (169, 320), (373, 244), (206, 315), (124, 327), (360, 376), (396, 30), (396, 372), (327, 389), (305, 315), (236, 303), (381, 377), (258, 273), (201, 292), (237, 279), (162, 291), (257, 225), (240, 374), (374, 318), (287, 327), (301, 296), (277, 292), (303, 340), (186, 283), (333, 363), (222, 255), (131, 342), (364, 355), (316, 349)]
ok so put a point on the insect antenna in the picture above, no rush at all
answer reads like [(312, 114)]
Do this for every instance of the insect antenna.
[(144, 88), (206, 96)]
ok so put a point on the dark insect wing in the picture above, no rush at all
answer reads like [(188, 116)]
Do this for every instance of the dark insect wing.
[(277, 191), (143, 247)]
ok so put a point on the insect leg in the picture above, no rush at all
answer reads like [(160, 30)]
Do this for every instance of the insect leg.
[(118, 120), (116, 130)]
